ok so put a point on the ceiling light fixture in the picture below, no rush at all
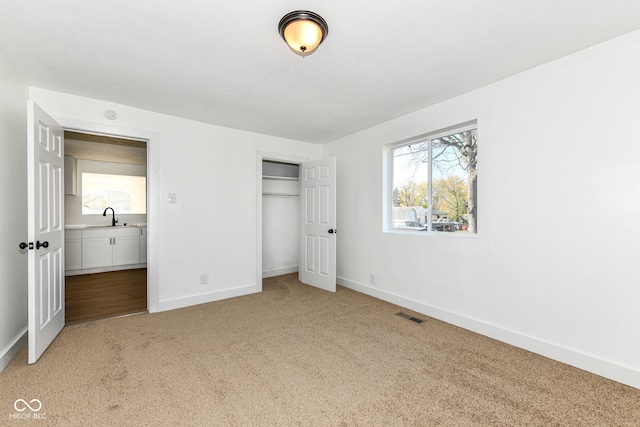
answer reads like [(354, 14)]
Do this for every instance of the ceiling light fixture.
[(303, 31)]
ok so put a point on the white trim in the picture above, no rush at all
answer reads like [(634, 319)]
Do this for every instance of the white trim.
[(387, 189), (280, 157), (13, 349), (153, 194), (259, 158), (279, 272), (605, 368), (208, 297)]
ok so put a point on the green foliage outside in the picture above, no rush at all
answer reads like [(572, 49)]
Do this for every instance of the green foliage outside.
[(450, 195)]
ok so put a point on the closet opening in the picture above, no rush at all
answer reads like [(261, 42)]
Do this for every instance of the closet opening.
[(280, 218)]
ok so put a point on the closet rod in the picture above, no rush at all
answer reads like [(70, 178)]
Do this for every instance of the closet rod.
[(280, 195)]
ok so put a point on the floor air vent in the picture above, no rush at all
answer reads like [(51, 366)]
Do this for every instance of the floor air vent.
[(408, 316)]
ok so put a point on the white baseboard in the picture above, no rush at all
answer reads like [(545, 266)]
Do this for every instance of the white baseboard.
[(7, 356), (208, 297), (623, 374), (279, 272)]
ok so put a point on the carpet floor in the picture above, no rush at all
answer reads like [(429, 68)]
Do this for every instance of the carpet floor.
[(294, 355)]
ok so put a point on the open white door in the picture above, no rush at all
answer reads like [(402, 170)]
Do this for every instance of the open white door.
[(46, 218), (318, 222)]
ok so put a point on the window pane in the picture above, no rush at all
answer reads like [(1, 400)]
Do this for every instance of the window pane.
[(454, 180), (410, 186), (124, 193)]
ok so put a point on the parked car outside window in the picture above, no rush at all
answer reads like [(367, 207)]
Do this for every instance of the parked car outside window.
[(409, 225)]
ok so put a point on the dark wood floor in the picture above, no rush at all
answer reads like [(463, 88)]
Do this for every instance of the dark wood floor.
[(103, 295)]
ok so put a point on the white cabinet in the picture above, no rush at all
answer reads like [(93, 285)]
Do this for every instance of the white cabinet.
[(73, 250), (126, 249), (96, 251), (106, 247)]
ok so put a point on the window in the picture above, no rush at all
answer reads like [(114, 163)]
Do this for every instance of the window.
[(126, 194), (434, 183)]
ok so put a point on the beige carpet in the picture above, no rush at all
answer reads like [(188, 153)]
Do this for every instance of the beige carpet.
[(297, 356)]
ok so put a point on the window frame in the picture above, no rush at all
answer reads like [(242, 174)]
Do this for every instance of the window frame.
[(388, 183)]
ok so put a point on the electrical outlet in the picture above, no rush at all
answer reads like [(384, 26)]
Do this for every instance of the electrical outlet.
[(204, 279), (372, 279)]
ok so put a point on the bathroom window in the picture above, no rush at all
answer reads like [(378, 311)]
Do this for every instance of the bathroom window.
[(126, 194)]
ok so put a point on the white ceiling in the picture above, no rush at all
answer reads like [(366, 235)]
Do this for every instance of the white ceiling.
[(224, 62)]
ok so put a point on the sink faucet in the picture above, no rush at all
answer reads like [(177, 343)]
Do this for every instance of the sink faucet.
[(113, 218)]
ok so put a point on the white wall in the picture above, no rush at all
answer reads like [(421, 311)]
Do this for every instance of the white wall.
[(212, 227), (73, 204), (13, 220), (554, 268)]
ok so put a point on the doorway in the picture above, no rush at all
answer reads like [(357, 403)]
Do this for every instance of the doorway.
[(106, 256), (280, 218)]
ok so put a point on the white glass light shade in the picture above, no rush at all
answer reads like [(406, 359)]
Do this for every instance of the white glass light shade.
[(303, 31), (303, 36)]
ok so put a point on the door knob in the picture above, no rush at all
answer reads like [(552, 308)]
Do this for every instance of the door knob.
[(24, 245), (43, 244), (331, 231)]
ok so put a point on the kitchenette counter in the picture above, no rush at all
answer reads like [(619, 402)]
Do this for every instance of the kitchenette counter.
[(85, 226)]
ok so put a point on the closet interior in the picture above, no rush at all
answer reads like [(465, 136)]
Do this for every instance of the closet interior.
[(280, 217)]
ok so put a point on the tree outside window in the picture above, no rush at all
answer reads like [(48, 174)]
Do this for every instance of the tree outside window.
[(435, 181)]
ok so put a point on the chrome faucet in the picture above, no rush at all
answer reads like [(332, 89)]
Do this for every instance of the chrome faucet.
[(113, 218)]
